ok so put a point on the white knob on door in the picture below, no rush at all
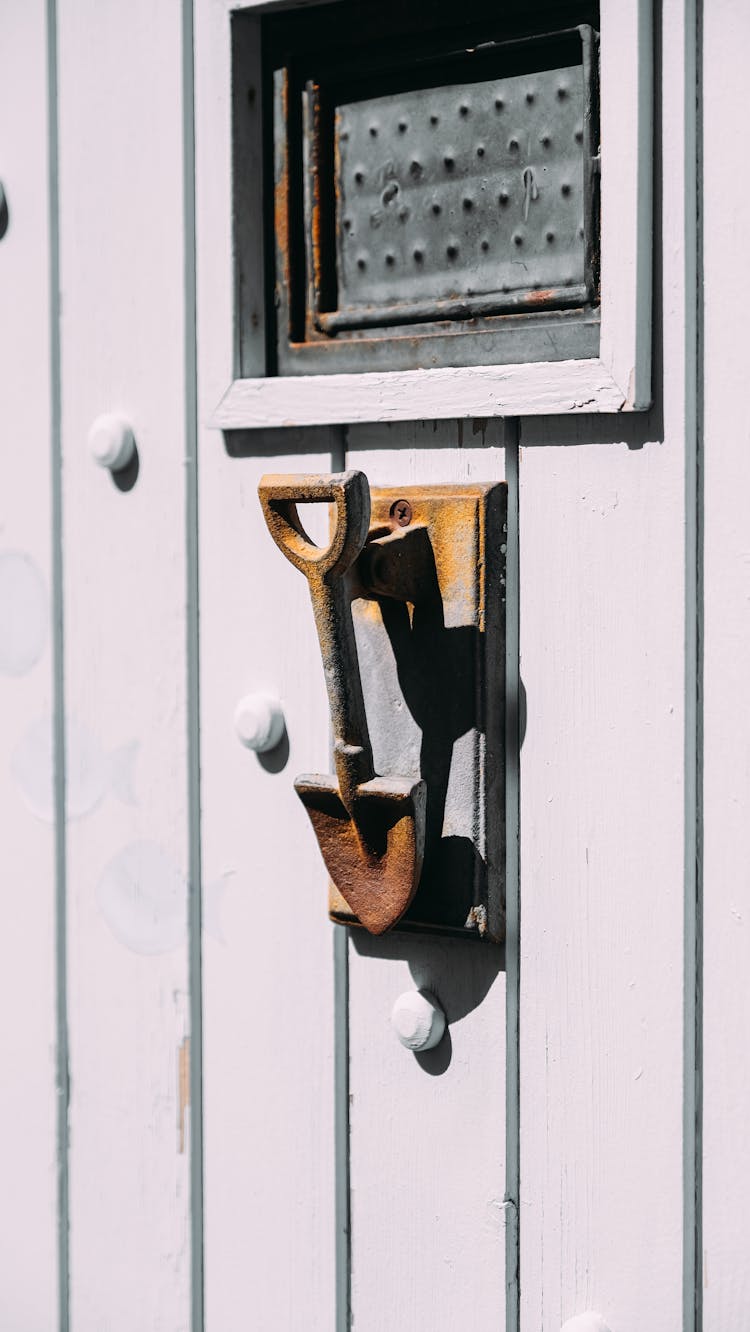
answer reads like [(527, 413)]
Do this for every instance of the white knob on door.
[(418, 1020), (111, 441), (259, 722)]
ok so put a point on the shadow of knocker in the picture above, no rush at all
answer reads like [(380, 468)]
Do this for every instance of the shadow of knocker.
[(440, 674)]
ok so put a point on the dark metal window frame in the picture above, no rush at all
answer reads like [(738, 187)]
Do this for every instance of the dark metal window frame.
[(307, 332)]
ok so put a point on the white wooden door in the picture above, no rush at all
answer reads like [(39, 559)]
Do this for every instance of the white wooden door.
[(208, 1122)]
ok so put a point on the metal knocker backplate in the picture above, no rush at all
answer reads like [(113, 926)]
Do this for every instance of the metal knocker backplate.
[(434, 687)]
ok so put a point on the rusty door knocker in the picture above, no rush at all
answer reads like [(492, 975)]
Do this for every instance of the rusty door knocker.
[(411, 582)]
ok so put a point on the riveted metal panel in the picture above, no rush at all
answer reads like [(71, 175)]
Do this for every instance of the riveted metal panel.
[(459, 193), (435, 201)]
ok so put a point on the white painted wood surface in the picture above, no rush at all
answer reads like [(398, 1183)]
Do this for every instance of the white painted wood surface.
[(602, 558), (28, 1104), (726, 1153), (268, 974), (122, 230), (268, 953), (427, 1133), (604, 537), (480, 391)]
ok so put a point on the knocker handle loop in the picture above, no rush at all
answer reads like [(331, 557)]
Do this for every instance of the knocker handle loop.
[(347, 491)]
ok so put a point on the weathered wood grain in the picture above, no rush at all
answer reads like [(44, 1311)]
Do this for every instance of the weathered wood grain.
[(480, 391)]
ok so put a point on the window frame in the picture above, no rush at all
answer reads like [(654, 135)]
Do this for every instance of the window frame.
[(618, 379)]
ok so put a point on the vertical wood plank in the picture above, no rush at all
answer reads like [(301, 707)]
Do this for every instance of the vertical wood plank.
[(122, 230), (726, 995), (268, 953), (427, 1133), (602, 551), (268, 972), (28, 1106)]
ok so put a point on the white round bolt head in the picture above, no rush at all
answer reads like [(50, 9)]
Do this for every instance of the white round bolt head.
[(585, 1322), (259, 722), (111, 442), (418, 1020)]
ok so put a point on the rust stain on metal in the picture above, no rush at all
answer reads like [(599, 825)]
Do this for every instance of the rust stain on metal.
[(183, 1089), (316, 263), (542, 296), (315, 192), (373, 855), (281, 192), (453, 549), (477, 920)]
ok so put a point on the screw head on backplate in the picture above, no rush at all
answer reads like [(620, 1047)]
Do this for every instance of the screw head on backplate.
[(400, 513)]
